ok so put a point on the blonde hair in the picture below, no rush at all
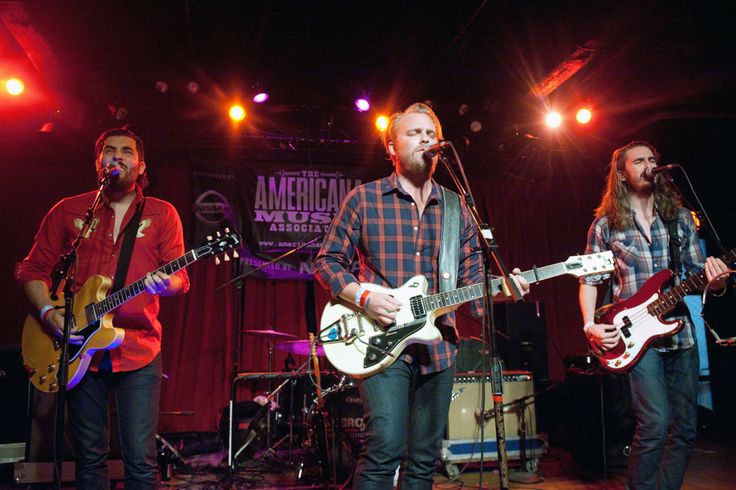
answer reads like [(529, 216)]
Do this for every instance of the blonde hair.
[(390, 133), (615, 204)]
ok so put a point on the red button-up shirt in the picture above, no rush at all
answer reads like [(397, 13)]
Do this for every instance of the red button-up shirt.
[(158, 241)]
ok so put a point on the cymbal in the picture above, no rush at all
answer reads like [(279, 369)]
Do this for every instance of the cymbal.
[(299, 347), (269, 333)]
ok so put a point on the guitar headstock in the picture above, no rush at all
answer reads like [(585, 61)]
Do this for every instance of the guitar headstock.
[(218, 244), (586, 265)]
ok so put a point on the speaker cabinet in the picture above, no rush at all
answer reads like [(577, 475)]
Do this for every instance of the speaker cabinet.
[(526, 346), (463, 442), (14, 398)]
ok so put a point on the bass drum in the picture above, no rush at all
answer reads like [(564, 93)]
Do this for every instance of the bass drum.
[(337, 434)]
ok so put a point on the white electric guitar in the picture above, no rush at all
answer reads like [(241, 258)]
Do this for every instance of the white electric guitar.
[(359, 346)]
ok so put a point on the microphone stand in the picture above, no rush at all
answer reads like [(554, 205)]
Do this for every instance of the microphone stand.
[(710, 229), (488, 249), (62, 272)]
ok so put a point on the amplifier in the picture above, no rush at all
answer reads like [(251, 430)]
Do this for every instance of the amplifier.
[(464, 419)]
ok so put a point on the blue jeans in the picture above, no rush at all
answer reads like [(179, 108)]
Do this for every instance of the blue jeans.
[(137, 396), (664, 388), (405, 413)]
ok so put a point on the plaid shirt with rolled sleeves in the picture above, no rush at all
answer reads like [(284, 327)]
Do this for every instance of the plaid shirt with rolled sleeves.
[(379, 225), (638, 259)]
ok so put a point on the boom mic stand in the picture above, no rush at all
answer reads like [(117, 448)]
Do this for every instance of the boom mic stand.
[(488, 248), (62, 272), (700, 210)]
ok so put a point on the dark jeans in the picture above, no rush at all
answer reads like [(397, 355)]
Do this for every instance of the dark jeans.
[(405, 413), (664, 388), (137, 396)]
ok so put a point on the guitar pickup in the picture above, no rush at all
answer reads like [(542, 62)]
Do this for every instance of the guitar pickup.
[(626, 329)]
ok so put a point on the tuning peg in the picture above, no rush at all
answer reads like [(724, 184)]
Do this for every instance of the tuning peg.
[(217, 260), (217, 234), (235, 254), (227, 230), (209, 237), (226, 258)]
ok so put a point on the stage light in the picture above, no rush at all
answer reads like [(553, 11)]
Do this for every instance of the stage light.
[(260, 98), (362, 104), (161, 87), (476, 126), (237, 113), (121, 113), (584, 115), (382, 123), (553, 119), (192, 87), (14, 86)]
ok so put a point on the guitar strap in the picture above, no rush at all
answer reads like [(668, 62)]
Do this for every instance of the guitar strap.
[(450, 243), (126, 249), (675, 244)]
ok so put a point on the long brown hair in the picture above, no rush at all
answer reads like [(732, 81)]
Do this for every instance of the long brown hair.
[(615, 204)]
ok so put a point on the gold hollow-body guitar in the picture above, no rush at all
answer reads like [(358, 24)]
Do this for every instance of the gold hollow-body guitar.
[(92, 319)]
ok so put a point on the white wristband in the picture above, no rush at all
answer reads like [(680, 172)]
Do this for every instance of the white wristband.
[(358, 294), (42, 312), (587, 326)]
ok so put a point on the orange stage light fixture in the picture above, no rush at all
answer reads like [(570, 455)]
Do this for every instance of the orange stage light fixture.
[(14, 86), (381, 123), (584, 115), (236, 113), (553, 119)]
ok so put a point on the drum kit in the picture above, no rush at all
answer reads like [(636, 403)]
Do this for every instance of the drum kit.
[(322, 422)]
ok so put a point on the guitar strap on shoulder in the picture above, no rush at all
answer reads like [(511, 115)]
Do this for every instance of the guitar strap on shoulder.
[(126, 249), (675, 244), (450, 243)]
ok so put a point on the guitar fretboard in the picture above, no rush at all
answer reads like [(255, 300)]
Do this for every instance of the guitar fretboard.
[(132, 290), (469, 293), (667, 301)]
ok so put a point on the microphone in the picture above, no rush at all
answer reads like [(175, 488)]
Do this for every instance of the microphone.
[(109, 171), (436, 148), (650, 172)]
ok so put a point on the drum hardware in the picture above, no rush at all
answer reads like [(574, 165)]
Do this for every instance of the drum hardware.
[(257, 423), (334, 435), (300, 348), (238, 282)]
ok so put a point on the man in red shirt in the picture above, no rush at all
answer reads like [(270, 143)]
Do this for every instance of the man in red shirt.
[(133, 369)]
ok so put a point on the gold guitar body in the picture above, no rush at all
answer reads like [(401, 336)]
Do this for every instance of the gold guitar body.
[(42, 350)]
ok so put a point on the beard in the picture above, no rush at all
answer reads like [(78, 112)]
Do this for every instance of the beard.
[(417, 165)]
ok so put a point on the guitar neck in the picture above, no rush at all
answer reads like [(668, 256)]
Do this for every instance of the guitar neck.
[(667, 301), (130, 291), (469, 293)]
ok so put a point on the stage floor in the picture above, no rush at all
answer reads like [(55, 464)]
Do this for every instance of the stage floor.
[(712, 467)]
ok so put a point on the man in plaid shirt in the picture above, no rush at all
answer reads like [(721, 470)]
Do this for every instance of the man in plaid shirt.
[(631, 222), (393, 227)]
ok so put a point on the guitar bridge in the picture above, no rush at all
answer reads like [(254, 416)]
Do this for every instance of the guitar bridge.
[(343, 329)]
